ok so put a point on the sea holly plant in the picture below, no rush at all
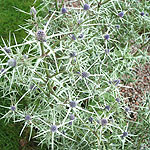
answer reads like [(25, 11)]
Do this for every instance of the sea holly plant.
[(64, 80)]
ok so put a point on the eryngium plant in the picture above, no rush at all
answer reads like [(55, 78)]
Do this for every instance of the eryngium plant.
[(60, 84)]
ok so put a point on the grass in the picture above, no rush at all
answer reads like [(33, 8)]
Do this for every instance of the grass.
[(9, 136), (10, 18)]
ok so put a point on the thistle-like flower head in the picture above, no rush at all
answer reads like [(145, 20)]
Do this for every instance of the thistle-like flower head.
[(104, 122), (142, 13), (91, 119), (64, 10), (13, 108), (12, 62), (70, 123), (85, 74), (72, 117), (86, 7), (73, 37), (118, 100), (116, 82), (121, 14), (73, 54), (80, 36), (33, 11), (106, 36), (7, 50), (117, 26), (54, 128), (27, 117), (73, 104), (107, 107), (127, 109), (41, 36), (2, 71), (124, 134)]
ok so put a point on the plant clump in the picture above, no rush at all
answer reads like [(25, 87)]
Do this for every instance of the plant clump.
[(64, 79)]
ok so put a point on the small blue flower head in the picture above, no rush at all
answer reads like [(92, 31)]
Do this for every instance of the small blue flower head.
[(121, 14), (91, 119), (41, 36), (127, 109), (86, 7), (73, 104), (12, 62), (13, 108), (124, 134), (72, 117), (117, 26), (80, 21), (142, 13), (147, 14), (104, 122), (64, 10), (107, 36), (33, 11), (85, 74), (27, 117), (73, 54), (109, 82), (116, 82), (2, 71), (107, 107), (107, 51), (70, 123), (118, 100), (54, 128), (73, 37), (7, 50), (80, 36)]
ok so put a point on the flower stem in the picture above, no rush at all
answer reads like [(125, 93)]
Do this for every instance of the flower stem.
[(56, 5), (48, 74)]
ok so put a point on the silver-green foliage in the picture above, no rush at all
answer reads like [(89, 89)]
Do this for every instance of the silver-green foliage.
[(66, 66)]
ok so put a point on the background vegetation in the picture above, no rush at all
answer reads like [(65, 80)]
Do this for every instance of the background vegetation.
[(10, 18)]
